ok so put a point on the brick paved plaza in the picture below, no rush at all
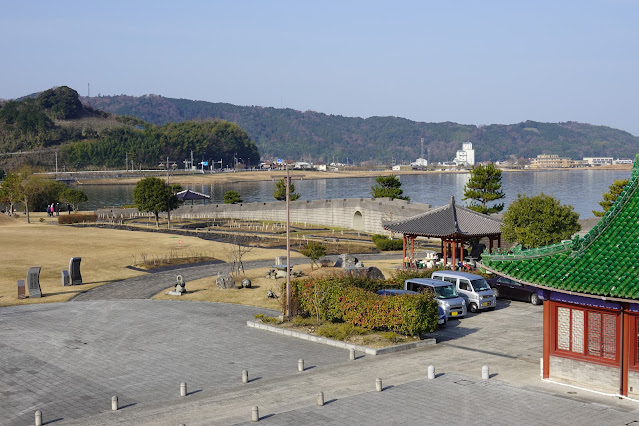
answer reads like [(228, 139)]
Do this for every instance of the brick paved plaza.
[(69, 359)]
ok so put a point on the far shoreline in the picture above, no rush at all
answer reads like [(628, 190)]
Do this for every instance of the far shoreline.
[(272, 175)]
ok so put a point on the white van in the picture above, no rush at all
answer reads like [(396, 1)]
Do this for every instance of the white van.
[(443, 292), (473, 288)]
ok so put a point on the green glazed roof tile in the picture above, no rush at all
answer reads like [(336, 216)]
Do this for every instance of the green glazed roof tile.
[(605, 262)]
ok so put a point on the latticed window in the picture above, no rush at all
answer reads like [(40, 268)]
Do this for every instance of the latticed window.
[(586, 332)]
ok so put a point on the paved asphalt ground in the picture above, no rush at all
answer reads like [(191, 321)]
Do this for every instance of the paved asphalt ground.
[(68, 359)]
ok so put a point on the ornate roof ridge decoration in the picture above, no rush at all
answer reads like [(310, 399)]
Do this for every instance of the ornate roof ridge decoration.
[(447, 220), (604, 263)]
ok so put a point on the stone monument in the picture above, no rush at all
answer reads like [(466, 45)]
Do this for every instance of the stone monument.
[(74, 270), (33, 281), (180, 287), (65, 278), (21, 293)]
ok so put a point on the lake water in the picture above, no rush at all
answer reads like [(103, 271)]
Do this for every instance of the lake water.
[(580, 188)]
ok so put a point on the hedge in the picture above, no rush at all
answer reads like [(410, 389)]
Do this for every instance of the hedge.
[(384, 243), (77, 218), (352, 300)]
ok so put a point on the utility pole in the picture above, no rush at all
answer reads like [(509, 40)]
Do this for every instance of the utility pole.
[(56, 164), (288, 246)]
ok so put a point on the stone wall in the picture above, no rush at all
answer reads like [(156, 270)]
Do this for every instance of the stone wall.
[(361, 214), (598, 377)]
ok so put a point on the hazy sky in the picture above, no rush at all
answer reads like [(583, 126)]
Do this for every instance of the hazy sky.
[(471, 62)]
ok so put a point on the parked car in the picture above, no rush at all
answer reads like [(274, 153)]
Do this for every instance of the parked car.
[(445, 294), (473, 288), (510, 289), (441, 315)]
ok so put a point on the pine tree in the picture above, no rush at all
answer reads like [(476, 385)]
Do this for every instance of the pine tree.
[(614, 191), (388, 186), (483, 187)]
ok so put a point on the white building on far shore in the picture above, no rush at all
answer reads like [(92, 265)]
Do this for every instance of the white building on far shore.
[(466, 155), (598, 161)]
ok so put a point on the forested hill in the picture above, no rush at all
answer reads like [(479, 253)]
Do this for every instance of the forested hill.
[(320, 137), (36, 128)]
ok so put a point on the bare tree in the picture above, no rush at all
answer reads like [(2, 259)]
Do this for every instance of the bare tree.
[(238, 246)]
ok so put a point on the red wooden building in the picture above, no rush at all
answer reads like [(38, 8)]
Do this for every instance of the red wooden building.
[(590, 288)]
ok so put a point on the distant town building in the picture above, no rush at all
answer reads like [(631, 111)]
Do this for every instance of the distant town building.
[(623, 161), (466, 155), (401, 167), (550, 161), (599, 161), (419, 163), (320, 167)]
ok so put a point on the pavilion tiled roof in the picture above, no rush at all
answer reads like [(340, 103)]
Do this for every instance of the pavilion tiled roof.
[(605, 262), (450, 219)]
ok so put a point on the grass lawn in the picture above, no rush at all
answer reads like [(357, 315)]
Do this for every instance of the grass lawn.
[(105, 254)]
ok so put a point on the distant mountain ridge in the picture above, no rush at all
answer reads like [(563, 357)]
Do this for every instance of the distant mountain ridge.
[(319, 137)]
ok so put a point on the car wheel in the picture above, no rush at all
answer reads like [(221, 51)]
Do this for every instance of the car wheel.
[(534, 299), (473, 307), (496, 291)]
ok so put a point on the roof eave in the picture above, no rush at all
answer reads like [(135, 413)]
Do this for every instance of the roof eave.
[(544, 287)]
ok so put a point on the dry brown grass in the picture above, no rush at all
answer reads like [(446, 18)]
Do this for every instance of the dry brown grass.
[(105, 254), (205, 289)]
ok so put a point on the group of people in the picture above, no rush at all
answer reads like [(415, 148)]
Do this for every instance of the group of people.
[(54, 209)]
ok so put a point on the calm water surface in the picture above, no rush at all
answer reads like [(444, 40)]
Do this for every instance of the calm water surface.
[(579, 188)]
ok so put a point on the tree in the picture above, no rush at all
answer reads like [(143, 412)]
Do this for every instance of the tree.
[(280, 191), (238, 246), (538, 221), (614, 191), (73, 197), (23, 186), (154, 195), (388, 186), (483, 187), (313, 251), (232, 197)]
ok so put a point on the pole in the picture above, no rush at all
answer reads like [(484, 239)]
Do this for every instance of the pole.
[(288, 247), (56, 164), (168, 210)]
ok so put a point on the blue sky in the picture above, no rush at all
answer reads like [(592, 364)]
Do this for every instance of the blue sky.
[(471, 62)]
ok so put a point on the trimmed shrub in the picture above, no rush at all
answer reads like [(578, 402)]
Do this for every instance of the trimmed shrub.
[(351, 300), (77, 218), (405, 314), (384, 243)]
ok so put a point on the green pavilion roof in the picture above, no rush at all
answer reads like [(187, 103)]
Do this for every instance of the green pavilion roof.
[(605, 262)]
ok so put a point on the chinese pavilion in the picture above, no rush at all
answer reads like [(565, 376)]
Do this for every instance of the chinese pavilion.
[(452, 223)]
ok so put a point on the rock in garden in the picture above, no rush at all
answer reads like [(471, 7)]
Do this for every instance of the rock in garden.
[(246, 283), (373, 273), (224, 281), (345, 260)]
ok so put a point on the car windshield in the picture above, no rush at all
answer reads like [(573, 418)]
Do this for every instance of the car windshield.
[(446, 292), (480, 284)]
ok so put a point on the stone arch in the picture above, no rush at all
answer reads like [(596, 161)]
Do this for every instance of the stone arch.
[(358, 221)]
